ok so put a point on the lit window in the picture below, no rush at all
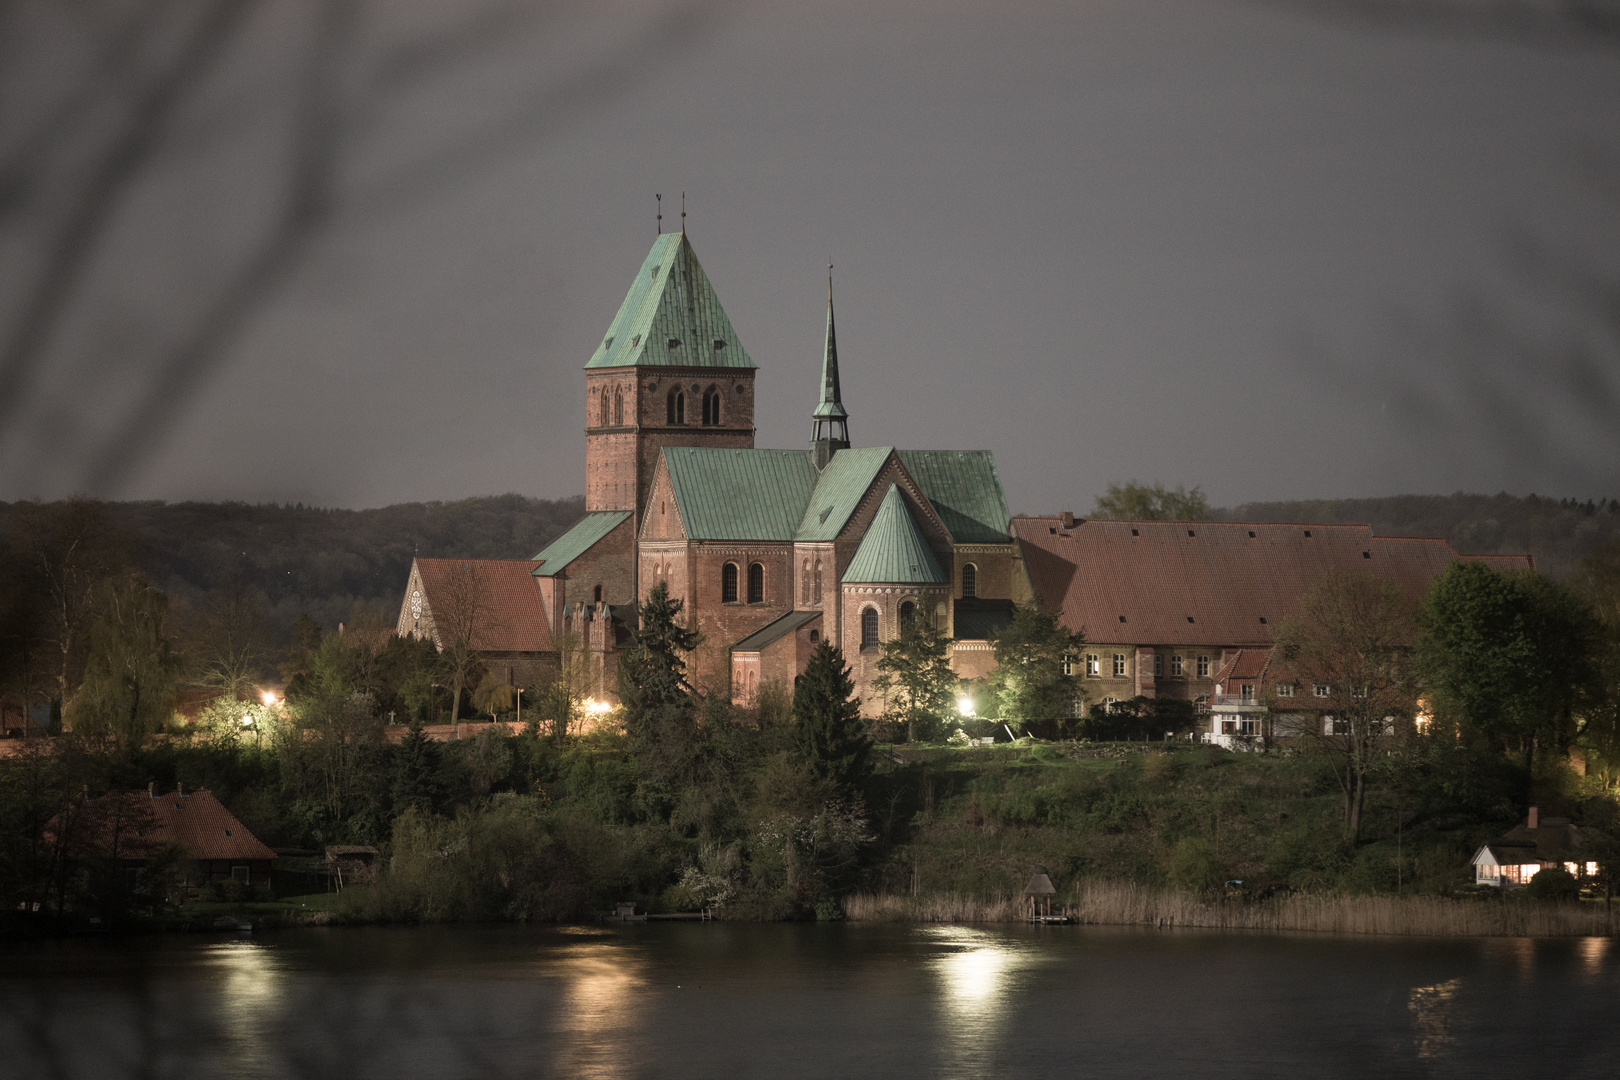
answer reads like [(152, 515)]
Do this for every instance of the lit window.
[(1203, 667), (1093, 664), (869, 628), (756, 583), (1323, 690), (970, 580), (1119, 665), (728, 583), (1175, 666)]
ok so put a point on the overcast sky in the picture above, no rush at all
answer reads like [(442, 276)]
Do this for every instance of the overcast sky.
[(1239, 245)]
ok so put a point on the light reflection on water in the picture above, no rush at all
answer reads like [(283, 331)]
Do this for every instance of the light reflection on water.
[(806, 1001), (598, 1009), (975, 971)]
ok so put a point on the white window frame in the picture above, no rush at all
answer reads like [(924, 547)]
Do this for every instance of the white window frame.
[(1322, 690), (1203, 667), (1093, 665), (1177, 666), (1120, 670)]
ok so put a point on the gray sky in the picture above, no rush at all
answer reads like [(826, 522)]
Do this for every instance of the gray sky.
[(1233, 244)]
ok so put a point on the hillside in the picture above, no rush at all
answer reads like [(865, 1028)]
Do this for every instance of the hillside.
[(1557, 532), (305, 558)]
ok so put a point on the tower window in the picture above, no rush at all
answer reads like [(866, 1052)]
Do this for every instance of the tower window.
[(602, 411), (869, 628), (756, 583), (728, 583), (598, 594), (970, 581), (815, 596), (618, 406), (804, 583), (677, 407), (711, 407)]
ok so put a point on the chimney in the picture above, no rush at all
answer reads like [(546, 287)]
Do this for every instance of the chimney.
[(180, 790), (1535, 816), (151, 790), (1067, 519)]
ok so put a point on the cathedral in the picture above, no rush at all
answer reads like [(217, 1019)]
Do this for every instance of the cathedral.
[(770, 551), (773, 551)]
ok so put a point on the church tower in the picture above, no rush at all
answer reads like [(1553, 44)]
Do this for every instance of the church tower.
[(830, 432), (669, 372)]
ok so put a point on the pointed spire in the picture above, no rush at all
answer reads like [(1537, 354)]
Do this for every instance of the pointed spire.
[(831, 419)]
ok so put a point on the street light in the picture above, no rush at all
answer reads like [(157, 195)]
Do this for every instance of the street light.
[(964, 705)]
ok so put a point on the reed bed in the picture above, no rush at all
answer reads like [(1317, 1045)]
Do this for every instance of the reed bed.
[(1107, 903)]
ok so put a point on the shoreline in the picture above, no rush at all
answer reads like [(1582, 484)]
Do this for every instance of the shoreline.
[(1123, 904)]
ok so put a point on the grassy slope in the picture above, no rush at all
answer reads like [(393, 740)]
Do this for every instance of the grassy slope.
[(983, 820)]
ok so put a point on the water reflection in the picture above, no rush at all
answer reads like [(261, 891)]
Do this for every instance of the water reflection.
[(597, 1015), (250, 997), (1432, 1008), (976, 969), (1592, 951)]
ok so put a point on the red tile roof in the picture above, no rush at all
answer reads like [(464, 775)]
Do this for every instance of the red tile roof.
[(1244, 664), (511, 615), (196, 821), (1208, 582)]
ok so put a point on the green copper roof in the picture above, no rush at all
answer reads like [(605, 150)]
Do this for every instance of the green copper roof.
[(579, 539), (893, 550), (739, 494), (831, 406), (670, 317), (775, 631), (965, 491), (845, 479)]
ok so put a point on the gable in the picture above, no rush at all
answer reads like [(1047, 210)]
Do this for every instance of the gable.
[(838, 492), (894, 473), (498, 598), (894, 551), (663, 520), (670, 317)]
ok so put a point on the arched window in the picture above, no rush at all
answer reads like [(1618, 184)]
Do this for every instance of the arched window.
[(728, 583), (602, 411), (756, 583), (816, 598), (815, 636), (711, 407), (970, 580), (804, 584), (677, 407), (599, 594), (908, 615), (869, 628), (618, 406)]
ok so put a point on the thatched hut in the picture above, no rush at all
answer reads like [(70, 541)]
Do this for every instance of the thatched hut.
[(1038, 894)]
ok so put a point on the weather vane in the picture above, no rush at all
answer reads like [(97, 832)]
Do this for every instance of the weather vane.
[(683, 213), (660, 199)]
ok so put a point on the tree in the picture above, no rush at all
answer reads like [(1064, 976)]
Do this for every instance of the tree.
[(1510, 658), (563, 694), (1151, 502), (227, 643), (298, 666), (915, 676), (131, 667), (70, 549), (492, 696), (827, 718), (1352, 641), (652, 673), (1598, 581), (1029, 682), (462, 618), (417, 784)]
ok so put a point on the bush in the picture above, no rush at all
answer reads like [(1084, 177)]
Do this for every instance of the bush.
[(1194, 867), (1553, 884)]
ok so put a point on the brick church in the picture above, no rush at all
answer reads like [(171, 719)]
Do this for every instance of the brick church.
[(770, 551)]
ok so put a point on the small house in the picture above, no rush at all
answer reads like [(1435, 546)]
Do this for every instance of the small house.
[(129, 827), (1539, 844)]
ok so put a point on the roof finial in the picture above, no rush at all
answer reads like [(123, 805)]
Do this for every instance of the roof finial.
[(660, 199), (683, 213)]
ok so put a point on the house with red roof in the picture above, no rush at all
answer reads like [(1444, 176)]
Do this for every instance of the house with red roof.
[(1190, 609), (129, 827)]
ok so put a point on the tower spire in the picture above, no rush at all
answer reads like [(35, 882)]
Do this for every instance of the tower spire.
[(830, 432)]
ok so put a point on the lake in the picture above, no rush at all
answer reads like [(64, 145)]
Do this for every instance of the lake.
[(808, 1000)]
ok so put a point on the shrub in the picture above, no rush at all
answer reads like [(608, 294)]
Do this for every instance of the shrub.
[(1194, 867), (1553, 884)]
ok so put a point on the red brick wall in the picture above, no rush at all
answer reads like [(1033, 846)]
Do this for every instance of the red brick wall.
[(620, 457), (611, 563), (887, 599)]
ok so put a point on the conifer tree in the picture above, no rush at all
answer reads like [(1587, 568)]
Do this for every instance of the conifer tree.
[(652, 673), (416, 783), (830, 734)]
